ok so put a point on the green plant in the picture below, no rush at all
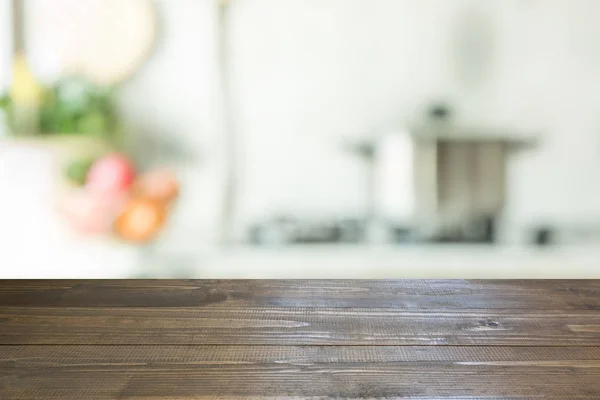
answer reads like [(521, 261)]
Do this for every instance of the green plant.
[(76, 172), (5, 115), (74, 106)]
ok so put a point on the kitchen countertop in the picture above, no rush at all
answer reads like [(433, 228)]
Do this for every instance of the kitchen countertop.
[(80, 259), (399, 262), (410, 339)]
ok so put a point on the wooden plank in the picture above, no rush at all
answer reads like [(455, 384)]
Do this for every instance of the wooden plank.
[(405, 294), (292, 372), (80, 356), (291, 326), (365, 381)]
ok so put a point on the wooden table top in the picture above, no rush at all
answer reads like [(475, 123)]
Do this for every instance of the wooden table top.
[(183, 340)]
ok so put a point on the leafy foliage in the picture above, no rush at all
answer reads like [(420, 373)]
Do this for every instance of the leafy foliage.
[(74, 106)]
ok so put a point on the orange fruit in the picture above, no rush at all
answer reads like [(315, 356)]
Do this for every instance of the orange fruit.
[(141, 220)]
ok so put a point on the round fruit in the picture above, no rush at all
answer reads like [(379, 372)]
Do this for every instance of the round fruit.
[(160, 185), (85, 213), (141, 220), (110, 174)]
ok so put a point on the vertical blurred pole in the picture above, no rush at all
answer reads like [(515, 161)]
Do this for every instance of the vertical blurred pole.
[(18, 30), (229, 199), (25, 90)]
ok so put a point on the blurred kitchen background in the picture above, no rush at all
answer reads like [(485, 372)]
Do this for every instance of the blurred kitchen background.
[(302, 138)]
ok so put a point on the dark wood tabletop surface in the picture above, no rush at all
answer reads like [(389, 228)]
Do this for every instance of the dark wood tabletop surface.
[(183, 340)]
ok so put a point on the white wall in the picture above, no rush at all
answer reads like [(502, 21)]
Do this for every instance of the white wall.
[(558, 74)]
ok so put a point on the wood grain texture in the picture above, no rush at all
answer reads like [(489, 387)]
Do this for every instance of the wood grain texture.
[(315, 326), (405, 294), (81, 356), (354, 380), (291, 372), (258, 340)]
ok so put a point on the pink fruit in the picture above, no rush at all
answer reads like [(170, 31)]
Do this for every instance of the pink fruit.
[(111, 174), (88, 214)]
